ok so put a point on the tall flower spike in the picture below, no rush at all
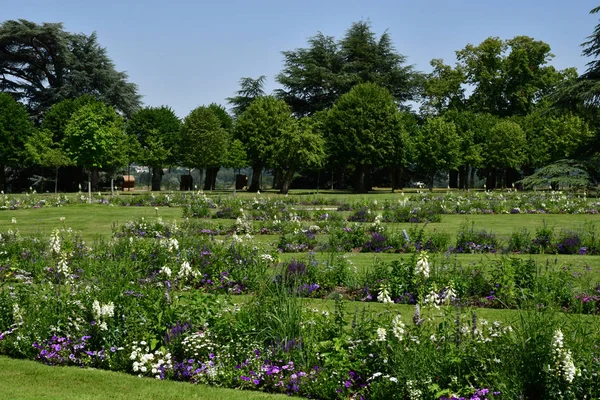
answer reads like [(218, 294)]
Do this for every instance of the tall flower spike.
[(417, 316)]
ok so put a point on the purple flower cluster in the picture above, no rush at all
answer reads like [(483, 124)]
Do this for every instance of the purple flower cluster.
[(66, 351), (276, 376), (480, 394), (308, 289)]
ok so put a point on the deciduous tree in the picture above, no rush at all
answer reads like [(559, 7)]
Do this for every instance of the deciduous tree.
[(156, 130), (15, 128)]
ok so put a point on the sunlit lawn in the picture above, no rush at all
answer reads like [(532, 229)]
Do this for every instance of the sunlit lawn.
[(29, 380)]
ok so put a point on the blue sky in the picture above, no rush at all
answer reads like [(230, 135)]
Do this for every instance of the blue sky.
[(185, 53)]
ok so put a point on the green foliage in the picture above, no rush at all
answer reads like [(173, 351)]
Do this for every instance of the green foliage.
[(261, 127), (94, 136), (43, 64), (554, 137), (315, 77), (156, 130), (444, 88), (236, 155), (509, 76), (438, 147), (203, 142), (250, 89), (505, 146), (364, 128), (563, 174), (15, 128)]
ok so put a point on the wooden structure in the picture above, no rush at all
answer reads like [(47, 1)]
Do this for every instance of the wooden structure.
[(128, 182)]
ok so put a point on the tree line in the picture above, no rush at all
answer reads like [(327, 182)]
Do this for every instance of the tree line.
[(350, 113)]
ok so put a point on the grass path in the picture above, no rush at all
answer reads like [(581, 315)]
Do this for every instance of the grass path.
[(28, 380)]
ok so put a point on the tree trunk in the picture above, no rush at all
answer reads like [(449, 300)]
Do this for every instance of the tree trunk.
[(256, 173), (396, 178), (56, 182), (453, 179), (278, 178), (472, 178), (287, 181), (90, 187), (368, 179), (157, 174), (431, 179), (210, 182), (3, 178), (492, 179), (462, 177), (95, 177), (359, 180)]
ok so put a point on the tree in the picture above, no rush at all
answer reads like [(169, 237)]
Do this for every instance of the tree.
[(260, 128), (443, 89), (509, 76), (41, 64), (504, 148), (314, 78), (236, 159), (203, 142), (250, 89), (559, 175), (301, 146), (473, 129), (15, 128), (437, 148), (551, 137), (93, 138), (311, 76), (44, 151), (364, 129), (227, 125), (155, 130)]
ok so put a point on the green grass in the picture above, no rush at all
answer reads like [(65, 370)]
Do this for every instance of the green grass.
[(25, 380), (94, 221)]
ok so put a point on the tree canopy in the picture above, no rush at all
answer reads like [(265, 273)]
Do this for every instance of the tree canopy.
[(42, 64), (315, 77), (363, 129)]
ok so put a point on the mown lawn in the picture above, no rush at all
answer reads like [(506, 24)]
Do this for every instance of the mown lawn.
[(29, 380)]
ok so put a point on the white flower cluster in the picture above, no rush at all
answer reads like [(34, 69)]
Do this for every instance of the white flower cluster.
[(102, 312), (17, 315), (171, 244), (376, 226), (63, 266), (384, 295), (148, 363), (563, 359), (165, 271), (414, 393), (381, 334), (186, 271), (198, 344), (267, 257), (55, 241), (422, 267), (398, 328)]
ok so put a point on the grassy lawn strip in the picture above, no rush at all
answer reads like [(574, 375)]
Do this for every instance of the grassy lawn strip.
[(23, 379)]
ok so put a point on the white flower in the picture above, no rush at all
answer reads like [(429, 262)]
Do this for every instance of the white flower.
[(55, 241), (14, 220), (166, 271), (422, 267), (185, 270), (267, 257), (381, 334), (563, 359), (384, 295), (398, 328)]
